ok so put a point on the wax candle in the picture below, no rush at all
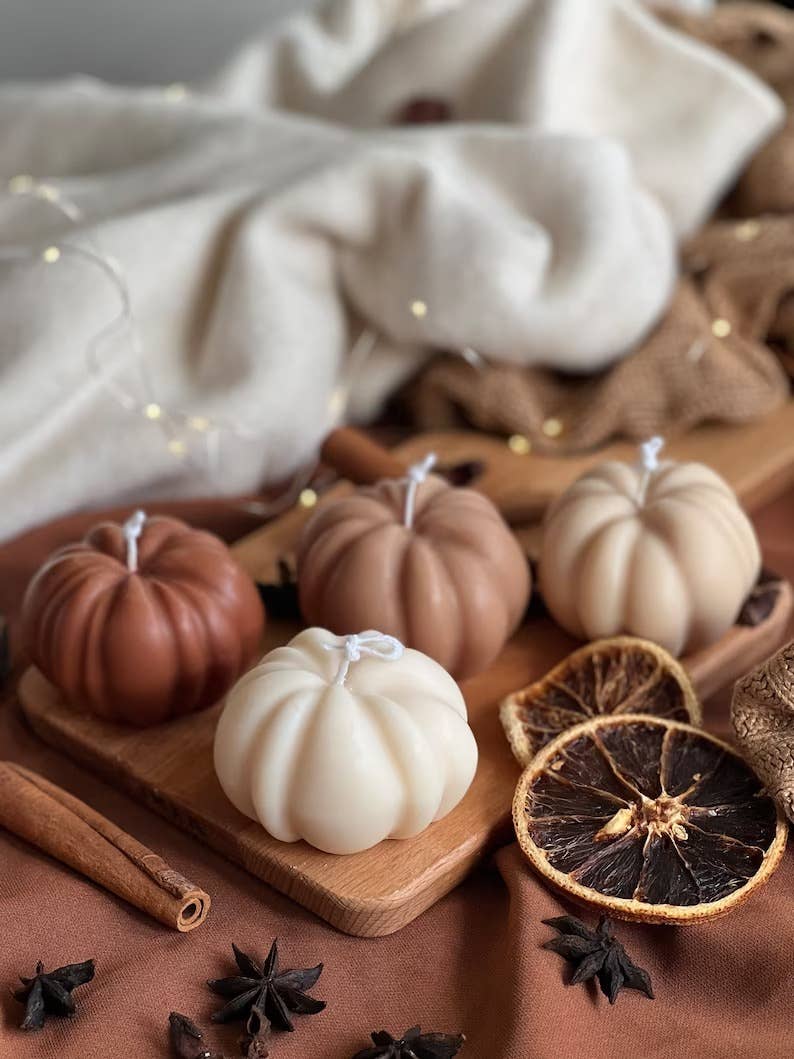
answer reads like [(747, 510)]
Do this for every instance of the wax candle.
[(143, 622), (345, 741), (656, 549), (435, 566)]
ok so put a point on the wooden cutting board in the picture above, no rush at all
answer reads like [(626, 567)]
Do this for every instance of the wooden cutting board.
[(379, 891), (756, 460)]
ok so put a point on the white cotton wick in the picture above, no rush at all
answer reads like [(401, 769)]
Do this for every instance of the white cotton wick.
[(371, 643), (649, 463), (417, 474), (132, 530)]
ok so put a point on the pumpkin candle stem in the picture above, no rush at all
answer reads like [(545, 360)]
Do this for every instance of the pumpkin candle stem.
[(132, 530), (417, 473), (649, 461), (374, 644)]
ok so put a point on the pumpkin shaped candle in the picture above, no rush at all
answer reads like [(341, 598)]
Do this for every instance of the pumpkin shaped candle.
[(345, 741), (658, 550), (143, 622), (432, 565)]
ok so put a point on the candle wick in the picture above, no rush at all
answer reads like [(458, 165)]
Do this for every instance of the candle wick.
[(649, 464), (132, 530), (417, 474), (371, 643)]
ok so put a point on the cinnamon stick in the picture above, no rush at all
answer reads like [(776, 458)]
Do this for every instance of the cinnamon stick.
[(358, 458), (59, 824), (362, 461)]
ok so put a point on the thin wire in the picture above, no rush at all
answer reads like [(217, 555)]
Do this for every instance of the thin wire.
[(339, 401), (175, 421), (338, 404), (472, 356), (169, 420), (151, 408), (124, 319)]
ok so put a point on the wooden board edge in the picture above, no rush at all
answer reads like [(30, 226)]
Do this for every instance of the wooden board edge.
[(376, 917), (741, 649)]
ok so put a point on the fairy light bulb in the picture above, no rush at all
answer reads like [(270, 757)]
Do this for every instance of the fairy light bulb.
[(22, 184), (519, 445), (176, 92), (747, 230), (553, 427)]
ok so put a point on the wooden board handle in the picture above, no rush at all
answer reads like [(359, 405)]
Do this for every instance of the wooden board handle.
[(359, 459)]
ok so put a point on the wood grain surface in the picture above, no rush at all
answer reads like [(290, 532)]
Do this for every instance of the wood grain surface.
[(376, 892)]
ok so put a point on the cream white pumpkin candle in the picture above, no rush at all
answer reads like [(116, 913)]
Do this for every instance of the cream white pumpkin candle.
[(345, 741), (657, 549)]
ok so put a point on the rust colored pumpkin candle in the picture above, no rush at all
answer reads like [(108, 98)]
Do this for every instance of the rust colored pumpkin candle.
[(660, 550), (143, 622), (433, 565)]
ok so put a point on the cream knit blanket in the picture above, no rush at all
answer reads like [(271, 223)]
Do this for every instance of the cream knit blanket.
[(266, 217)]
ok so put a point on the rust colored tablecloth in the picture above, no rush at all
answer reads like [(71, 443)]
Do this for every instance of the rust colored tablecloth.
[(472, 963)]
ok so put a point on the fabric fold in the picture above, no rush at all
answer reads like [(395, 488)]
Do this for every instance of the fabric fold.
[(688, 117), (265, 219)]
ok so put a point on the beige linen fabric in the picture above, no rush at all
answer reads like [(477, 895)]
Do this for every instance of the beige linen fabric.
[(761, 37), (762, 711), (266, 217), (683, 374), (687, 119)]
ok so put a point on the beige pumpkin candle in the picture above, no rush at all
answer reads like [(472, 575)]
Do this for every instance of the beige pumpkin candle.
[(658, 549), (433, 565)]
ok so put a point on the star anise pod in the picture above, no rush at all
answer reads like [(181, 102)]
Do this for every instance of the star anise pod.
[(412, 1045), (187, 1040), (761, 601), (463, 473), (271, 993), (597, 954), (50, 992), (256, 1042)]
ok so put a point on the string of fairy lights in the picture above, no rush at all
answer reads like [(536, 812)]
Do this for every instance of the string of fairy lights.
[(182, 428), (179, 426), (173, 422)]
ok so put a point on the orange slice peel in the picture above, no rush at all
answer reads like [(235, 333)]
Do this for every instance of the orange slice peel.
[(647, 819), (622, 675)]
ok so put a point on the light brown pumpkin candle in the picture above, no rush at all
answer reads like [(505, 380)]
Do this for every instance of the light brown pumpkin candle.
[(59, 824), (435, 566)]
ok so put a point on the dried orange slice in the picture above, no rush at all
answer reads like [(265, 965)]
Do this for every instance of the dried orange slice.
[(616, 676), (647, 819)]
